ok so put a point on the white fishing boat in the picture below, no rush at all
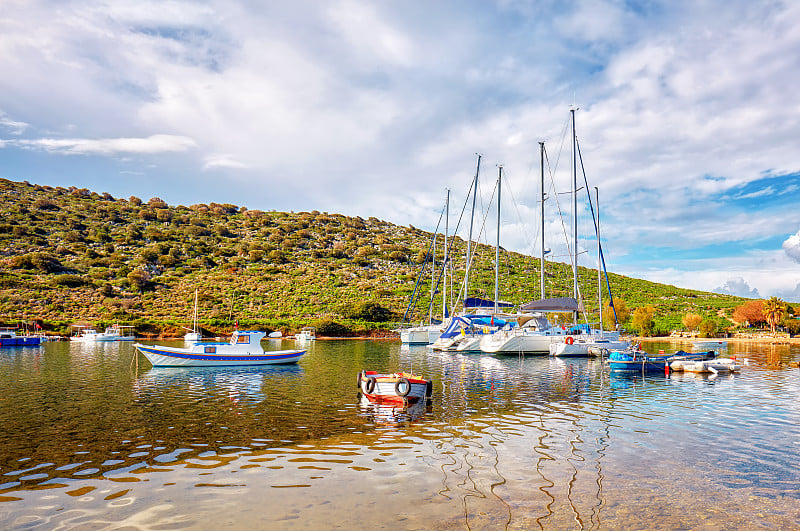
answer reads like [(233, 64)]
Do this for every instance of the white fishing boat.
[(244, 348), (112, 333), (309, 333)]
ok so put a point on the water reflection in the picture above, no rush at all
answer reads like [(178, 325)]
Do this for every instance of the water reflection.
[(507, 442)]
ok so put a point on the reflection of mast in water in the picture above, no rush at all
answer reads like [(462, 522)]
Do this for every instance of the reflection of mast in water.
[(603, 443), (470, 441)]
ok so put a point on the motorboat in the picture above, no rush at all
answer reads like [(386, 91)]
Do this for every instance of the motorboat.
[(244, 348), (112, 333), (398, 387), (635, 360), (9, 338), (308, 333)]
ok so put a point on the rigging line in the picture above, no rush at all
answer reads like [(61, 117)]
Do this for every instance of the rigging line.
[(422, 270), (448, 254), (519, 217), (560, 213), (597, 232), (475, 249)]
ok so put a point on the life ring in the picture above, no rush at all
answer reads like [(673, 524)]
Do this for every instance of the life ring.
[(398, 385), (429, 389), (361, 377), (569, 340), (368, 385)]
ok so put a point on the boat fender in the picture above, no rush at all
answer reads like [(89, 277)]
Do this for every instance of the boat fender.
[(569, 340), (402, 387), (429, 389), (361, 377), (369, 385)]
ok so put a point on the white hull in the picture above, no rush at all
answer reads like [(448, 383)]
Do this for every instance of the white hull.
[(421, 335), (585, 348), (243, 349), (709, 345), (521, 341)]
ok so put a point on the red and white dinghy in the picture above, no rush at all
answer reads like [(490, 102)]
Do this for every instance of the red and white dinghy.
[(398, 387)]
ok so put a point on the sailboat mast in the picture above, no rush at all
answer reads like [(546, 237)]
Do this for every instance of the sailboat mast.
[(446, 262), (599, 279), (471, 220), (194, 324), (497, 247), (433, 275), (541, 262), (574, 215)]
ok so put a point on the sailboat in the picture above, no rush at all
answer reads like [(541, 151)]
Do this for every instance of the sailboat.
[(535, 333), (193, 335)]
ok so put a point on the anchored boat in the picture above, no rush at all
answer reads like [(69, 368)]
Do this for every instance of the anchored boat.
[(244, 348), (398, 387), (639, 361)]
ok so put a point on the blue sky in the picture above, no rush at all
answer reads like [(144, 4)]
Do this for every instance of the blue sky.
[(688, 116)]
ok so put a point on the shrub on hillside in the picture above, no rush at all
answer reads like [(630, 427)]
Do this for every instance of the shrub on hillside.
[(70, 281), (332, 329), (371, 311)]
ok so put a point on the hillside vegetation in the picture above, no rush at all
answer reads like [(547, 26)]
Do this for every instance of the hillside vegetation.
[(71, 255)]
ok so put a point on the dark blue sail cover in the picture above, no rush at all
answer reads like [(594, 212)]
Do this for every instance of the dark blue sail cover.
[(475, 302)]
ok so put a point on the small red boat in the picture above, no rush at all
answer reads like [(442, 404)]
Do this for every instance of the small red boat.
[(398, 387)]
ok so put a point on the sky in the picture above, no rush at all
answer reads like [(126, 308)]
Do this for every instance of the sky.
[(687, 117)]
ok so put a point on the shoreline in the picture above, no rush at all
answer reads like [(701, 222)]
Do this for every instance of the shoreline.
[(768, 340)]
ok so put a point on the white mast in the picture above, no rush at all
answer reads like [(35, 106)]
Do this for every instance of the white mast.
[(599, 281), (471, 220), (446, 262), (574, 215), (541, 263), (497, 247)]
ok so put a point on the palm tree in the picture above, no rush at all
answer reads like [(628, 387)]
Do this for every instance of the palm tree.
[(774, 310)]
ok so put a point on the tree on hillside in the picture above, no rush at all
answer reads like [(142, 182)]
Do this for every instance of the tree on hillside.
[(749, 313), (642, 320), (774, 310), (691, 321), (622, 312)]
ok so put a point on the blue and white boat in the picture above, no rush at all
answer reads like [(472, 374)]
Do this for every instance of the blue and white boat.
[(244, 348), (639, 361), (9, 338)]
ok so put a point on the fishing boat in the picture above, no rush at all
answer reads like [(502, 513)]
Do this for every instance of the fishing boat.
[(309, 333), (112, 333), (636, 360), (398, 387), (9, 338), (244, 348)]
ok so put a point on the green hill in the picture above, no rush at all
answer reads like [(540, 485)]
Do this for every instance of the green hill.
[(71, 255)]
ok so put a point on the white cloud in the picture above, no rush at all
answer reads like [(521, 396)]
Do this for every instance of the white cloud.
[(739, 287), (15, 127), (792, 247), (111, 146)]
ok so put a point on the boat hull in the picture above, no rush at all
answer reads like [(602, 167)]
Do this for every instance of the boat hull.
[(388, 388), (19, 341), (173, 357)]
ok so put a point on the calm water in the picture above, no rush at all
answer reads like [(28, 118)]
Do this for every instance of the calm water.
[(89, 438)]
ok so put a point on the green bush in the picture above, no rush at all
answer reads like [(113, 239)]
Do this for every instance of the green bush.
[(332, 329), (71, 281), (371, 311)]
